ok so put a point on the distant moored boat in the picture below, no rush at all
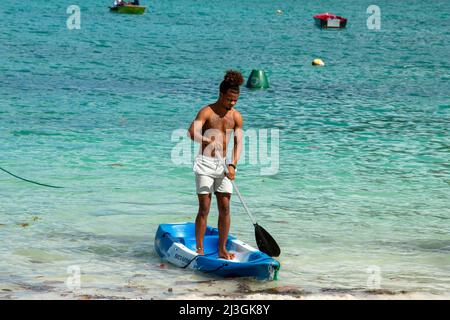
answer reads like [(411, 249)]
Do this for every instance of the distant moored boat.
[(329, 20), (128, 8)]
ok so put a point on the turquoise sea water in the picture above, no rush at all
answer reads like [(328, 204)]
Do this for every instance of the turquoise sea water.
[(360, 203)]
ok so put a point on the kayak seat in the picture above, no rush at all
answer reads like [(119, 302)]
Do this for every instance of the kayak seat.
[(210, 243)]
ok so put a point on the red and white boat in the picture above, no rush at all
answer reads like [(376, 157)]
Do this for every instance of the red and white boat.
[(329, 20)]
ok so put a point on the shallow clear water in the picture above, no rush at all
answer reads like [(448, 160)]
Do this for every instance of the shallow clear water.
[(363, 183)]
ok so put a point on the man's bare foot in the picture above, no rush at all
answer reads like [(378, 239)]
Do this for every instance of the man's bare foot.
[(200, 251), (224, 254)]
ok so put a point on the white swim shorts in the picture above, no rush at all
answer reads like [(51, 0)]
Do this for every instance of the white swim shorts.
[(210, 177)]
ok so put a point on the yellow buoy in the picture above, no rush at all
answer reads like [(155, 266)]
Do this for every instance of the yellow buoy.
[(318, 62)]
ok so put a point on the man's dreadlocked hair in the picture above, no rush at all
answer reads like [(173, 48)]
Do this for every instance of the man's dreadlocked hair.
[(231, 81)]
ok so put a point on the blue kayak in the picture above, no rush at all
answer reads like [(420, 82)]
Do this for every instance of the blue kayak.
[(176, 244)]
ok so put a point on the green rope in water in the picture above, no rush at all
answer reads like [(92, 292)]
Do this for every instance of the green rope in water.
[(30, 181)]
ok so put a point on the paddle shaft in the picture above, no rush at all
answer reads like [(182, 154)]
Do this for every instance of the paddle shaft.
[(239, 194), (266, 243)]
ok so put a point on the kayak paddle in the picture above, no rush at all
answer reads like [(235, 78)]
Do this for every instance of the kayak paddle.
[(266, 243)]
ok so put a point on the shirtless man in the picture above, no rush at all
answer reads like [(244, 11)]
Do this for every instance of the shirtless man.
[(212, 128)]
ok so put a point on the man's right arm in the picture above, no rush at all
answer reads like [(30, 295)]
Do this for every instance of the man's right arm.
[(195, 130)]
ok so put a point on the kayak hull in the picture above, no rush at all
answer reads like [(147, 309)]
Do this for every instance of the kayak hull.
[(176, 243)]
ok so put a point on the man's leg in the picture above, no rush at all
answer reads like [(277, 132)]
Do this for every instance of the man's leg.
[(223, 203), (204, 203)]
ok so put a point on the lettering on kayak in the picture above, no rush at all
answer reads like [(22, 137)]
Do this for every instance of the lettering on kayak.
[(181, 258)]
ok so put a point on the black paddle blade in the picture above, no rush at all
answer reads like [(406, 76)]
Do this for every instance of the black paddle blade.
[(265, 242)]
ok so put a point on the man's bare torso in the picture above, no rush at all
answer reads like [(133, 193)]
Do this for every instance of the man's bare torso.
[(219, 126)]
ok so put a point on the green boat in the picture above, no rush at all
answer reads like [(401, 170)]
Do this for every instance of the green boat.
[(128, 8)]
